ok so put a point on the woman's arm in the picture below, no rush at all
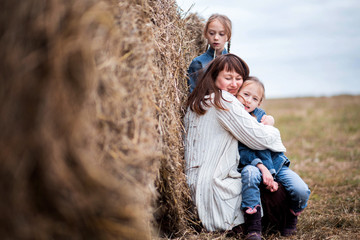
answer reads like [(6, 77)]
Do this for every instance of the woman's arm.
[(245, 128)]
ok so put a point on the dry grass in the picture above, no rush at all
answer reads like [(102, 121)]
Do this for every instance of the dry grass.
[(322, 136)]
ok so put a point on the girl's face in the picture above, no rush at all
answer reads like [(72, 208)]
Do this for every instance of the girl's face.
[(250, 95), (229, 81), (216, 36)]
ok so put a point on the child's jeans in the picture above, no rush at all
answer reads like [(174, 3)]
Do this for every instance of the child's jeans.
[(296, 188)]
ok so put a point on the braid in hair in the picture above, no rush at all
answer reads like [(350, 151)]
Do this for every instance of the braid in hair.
[(207, 47), (228, 48)]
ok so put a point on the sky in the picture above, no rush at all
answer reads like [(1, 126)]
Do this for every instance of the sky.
[(296, 48)]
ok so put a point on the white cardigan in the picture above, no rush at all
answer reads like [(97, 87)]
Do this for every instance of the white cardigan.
[(211, 155)]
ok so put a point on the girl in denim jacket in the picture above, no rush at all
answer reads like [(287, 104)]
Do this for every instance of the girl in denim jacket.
[(217, 32), (271, 167)]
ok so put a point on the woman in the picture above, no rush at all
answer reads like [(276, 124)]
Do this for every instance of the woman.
[(214, 123)]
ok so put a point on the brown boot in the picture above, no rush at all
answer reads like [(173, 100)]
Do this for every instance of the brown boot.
[(253, 224)]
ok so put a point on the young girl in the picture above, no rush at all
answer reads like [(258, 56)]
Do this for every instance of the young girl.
[(271, 167), (217, 32)]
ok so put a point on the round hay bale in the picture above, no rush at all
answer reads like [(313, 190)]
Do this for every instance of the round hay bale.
[(92, 100)]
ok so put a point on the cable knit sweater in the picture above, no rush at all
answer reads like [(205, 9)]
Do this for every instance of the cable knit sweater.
[(212, 158)]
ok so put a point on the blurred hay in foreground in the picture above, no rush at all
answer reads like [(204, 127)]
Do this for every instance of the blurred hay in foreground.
[(92, 97)]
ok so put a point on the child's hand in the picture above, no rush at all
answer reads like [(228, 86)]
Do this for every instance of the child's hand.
[(266, 175), (274, 187), (268, 120), (267, 178)]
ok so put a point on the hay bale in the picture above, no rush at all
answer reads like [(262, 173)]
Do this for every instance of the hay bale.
[(175, 49), (54, 177), (91, 134)]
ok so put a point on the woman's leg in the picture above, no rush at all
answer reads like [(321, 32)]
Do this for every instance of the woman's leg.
[(276, 207)]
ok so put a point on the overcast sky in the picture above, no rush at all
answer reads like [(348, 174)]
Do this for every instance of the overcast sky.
[(297, 48)]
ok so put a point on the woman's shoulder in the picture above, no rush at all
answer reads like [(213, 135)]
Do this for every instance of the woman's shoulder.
[(230, 102), (228, 96), (224, 96)]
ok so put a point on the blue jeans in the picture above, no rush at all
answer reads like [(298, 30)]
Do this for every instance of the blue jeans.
[(297, 189)]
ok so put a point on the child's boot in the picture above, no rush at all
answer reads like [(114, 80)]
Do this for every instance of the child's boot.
[(253, 223), (290, 224)]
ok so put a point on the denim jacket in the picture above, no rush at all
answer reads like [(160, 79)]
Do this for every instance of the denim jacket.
[(197, 64), (274, 161)]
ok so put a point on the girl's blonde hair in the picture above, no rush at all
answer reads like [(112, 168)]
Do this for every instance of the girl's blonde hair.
[(225, 21)]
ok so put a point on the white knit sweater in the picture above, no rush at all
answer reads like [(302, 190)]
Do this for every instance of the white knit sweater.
[(212, 157)]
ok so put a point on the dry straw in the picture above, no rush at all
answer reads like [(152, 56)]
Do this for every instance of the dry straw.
[(174, 48), (92, 96)]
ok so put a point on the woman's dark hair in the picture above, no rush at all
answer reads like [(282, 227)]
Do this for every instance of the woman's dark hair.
[(197, 100)]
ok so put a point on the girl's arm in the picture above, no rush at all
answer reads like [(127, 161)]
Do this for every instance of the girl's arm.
[(268, 179), (194, 67), (261, 116), (245, 128)]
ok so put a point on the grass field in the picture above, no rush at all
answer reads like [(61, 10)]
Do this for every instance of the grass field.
[(322, 136)]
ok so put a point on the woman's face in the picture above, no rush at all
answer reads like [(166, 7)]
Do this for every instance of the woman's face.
[(229, 81)]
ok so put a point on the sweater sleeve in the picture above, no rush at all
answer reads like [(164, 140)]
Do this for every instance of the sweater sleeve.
[(245, 128), (259, 113)]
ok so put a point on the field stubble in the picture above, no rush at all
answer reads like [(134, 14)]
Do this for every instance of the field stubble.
[(322, 136)]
